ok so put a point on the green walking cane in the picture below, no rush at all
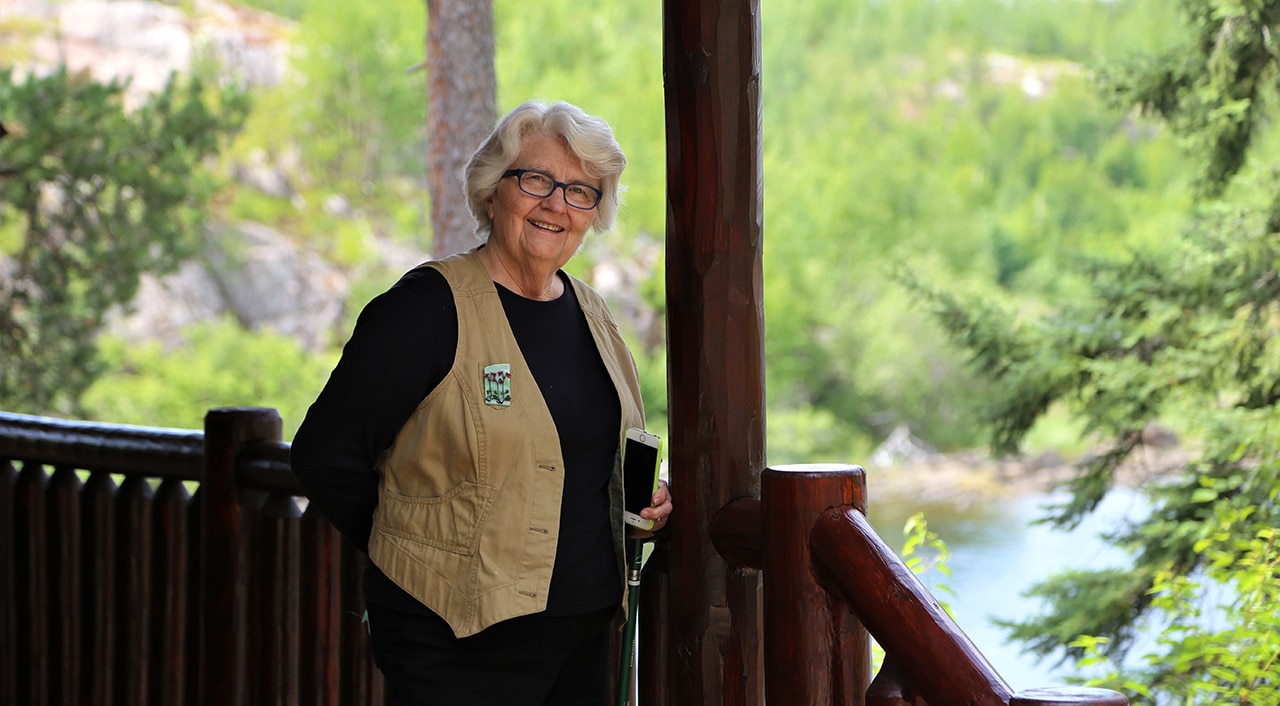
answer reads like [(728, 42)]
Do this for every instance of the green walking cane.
[(629, 636)]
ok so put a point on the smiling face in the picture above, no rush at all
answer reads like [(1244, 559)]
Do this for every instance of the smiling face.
[(539, 233)]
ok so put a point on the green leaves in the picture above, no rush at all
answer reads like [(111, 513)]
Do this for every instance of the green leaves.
[(92, 196), (1215, 92), (1186, 331), (1210, 654), (352, 99), (153, 386)]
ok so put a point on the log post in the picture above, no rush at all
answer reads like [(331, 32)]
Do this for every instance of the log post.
[(223, 565), (815, 650), (654, 664), (715, 338)]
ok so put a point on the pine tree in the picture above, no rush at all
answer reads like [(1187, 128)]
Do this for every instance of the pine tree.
[(1190, 332), (91, 197)]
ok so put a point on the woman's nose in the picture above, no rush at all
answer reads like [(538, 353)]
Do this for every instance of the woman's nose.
[(559, 204)]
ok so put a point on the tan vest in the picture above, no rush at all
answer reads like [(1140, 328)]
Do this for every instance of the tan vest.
[(468, 512)]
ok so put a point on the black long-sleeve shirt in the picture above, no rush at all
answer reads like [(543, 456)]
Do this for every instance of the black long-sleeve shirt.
[(402, 347)]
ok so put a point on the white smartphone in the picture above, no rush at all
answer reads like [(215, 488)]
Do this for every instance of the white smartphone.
[(641, 459)]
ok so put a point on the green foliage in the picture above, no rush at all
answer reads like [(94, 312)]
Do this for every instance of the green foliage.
[(607, 59), (924, 552), (91, 197), (652, 366), (352, 93), (348, 123), (892, 132), (1216, 89), (1187, 330), (1168, 334), (292, 9), (1086, 602), (149, 385), (254, 205), (1197, 662), (945, 164), (811, 434)]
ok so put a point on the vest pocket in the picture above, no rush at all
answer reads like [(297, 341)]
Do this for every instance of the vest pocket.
[(451, 521)]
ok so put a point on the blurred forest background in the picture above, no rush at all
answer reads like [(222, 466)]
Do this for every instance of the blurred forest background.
[(963, 140), (1022, 226)]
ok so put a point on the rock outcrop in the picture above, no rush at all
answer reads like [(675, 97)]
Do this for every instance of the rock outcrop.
[(144, 42), (262, 277)]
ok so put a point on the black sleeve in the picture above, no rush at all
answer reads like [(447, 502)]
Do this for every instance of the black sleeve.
[(402, 347)]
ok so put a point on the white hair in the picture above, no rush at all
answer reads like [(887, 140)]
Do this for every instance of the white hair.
[(589, 138)]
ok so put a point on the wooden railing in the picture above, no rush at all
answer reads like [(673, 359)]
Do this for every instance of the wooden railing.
[(118, 585), (830, 581), (161, 566)]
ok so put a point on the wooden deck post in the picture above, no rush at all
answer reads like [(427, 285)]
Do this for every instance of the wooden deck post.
[(815, 650), (715, 338), (224, 568)]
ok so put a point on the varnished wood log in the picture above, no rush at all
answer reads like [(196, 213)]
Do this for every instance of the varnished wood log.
[(711, 66), (276, 599), (8, 583), (1064, 696), (99, 599), (257, 596), (64, 581), (654, 668), (735, 533), (264, 465), (319, 666), (744, 671), (171, 577), (933, 654), (890, 688), (195, 592), (118, 448), (32, 595), (101, 589), (133, 506), (816, 651), (224, 566)]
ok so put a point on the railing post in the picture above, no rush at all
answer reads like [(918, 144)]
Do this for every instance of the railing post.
[(223, 565), (816, 651), (654, 663)]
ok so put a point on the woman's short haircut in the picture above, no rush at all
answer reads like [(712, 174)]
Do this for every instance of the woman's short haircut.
[(589, 138)]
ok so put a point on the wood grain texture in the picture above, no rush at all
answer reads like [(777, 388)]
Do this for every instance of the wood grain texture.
[(932, 653), (715, 325), (816, 651)]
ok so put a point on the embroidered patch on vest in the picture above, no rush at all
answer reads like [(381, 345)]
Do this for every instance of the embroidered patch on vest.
[(497, 385)]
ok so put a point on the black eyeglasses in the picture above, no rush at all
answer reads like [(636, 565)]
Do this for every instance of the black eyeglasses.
[(541, 185)]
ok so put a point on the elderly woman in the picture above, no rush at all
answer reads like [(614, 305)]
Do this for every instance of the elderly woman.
[(469, 437)]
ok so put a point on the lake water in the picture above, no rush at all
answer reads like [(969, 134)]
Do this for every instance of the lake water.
[(997, 553)]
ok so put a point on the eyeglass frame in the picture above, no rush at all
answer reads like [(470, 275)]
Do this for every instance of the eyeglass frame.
[(519, 174)]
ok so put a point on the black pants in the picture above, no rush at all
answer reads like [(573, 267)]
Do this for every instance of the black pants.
[(533, 660)]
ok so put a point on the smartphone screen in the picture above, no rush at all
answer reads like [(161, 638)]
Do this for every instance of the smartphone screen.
[(639, 473)]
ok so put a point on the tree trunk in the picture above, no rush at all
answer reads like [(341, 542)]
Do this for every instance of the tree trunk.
[(461, 93)]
